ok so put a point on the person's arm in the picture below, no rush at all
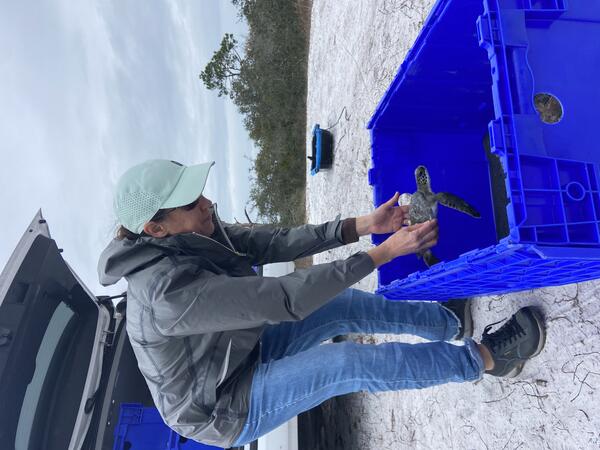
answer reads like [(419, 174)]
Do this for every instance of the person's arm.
[(191, 303), (187, 302), (265, 244), (380, 255)]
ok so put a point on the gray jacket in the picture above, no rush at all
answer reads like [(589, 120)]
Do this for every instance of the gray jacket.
[(196, 310)]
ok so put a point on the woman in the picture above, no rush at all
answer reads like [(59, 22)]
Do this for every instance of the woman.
[(229, 355)]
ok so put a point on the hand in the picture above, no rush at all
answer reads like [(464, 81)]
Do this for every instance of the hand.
[(411, 239), (387, 218)]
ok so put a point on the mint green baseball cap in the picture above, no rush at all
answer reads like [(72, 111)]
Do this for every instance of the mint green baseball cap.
[(156, 184)]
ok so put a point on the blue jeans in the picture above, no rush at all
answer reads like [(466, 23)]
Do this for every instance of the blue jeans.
[(296, 374)]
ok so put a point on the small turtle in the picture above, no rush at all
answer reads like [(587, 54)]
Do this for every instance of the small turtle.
[(424, 202), (548, 107)]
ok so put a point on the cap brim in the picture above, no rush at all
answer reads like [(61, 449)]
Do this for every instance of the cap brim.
[(190, 185)]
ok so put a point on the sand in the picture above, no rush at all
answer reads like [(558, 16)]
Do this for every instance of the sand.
[(356, 48)]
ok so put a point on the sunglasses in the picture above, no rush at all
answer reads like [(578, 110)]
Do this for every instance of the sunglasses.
[(190, 206), (161, 214)]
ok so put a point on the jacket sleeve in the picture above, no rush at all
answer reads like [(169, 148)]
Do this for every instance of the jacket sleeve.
[(265, 244), (213, 303)]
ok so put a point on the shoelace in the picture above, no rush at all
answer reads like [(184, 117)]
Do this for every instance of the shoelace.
[(506, 334)]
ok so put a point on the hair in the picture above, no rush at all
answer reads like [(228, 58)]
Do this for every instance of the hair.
[(124, 233)]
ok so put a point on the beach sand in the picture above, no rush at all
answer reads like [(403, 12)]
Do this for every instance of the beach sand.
[(356, 48)]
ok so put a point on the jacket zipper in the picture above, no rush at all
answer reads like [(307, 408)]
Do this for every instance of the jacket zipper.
[(232, 249), (223, 231)]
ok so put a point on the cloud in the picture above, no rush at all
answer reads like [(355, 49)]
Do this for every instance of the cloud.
[(90, 89)]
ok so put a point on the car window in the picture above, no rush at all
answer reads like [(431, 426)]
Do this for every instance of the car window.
[(58, 326)]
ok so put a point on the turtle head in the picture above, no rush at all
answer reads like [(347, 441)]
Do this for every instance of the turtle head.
[(422, 178)]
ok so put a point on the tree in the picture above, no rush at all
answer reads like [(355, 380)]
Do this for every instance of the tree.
[(268, 86), (223, 68), (244, 7)]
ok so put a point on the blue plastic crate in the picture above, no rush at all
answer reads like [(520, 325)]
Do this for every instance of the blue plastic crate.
[(142, 428), (522, 76)]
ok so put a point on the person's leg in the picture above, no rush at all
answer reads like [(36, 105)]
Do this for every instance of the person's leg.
[(283, 388), (355, 311), (461, 308)]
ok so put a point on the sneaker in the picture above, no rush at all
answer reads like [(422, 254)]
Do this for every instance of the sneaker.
[(462, 309), (522, 337)]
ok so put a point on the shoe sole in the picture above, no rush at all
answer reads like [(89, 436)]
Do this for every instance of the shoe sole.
[(468, 321), (539, 320)]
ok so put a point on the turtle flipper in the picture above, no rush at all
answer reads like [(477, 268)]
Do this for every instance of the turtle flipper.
[(455, 202), (428, 258)]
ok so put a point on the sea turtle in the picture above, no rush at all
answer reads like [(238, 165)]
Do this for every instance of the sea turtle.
[(424, 202)]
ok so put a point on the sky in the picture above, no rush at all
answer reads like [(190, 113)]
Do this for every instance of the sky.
[(90, 89)]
